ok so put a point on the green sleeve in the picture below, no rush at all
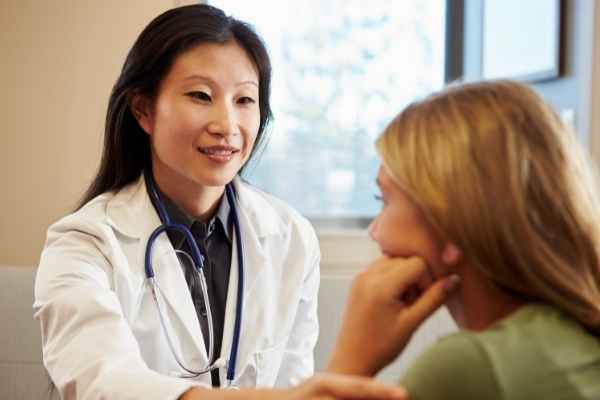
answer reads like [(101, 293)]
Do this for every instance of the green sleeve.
[(454, 368)]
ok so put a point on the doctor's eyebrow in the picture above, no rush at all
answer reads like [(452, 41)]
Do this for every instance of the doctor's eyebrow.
[(211, 81)]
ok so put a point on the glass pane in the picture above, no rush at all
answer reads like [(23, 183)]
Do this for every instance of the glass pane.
[(341, 70)]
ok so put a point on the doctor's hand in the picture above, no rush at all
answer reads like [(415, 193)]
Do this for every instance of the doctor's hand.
[(387, 303), (333, 386), (324, 386)]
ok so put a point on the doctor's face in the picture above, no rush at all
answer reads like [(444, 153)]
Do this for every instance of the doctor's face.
[(401, 229), (205, 117)]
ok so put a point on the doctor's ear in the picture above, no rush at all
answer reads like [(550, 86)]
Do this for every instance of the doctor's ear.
[(141, 108)]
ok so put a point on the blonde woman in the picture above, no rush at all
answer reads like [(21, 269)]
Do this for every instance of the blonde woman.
[(483, 181)]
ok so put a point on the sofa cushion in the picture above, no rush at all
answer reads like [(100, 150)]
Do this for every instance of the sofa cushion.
[(22, 374)]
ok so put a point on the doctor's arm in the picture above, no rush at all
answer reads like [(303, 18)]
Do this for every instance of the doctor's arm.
[(87, 345)]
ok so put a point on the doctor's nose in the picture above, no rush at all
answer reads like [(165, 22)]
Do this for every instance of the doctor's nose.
[(223, 122)]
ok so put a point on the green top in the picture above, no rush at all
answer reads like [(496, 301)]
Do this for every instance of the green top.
[(535, 353)]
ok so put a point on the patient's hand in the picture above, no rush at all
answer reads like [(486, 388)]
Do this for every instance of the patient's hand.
[(387, 303)]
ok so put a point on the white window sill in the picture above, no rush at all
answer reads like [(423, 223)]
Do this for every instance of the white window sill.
[(345, 251)]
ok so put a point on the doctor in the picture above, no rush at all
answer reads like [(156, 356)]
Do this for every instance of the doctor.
[(129, 311)]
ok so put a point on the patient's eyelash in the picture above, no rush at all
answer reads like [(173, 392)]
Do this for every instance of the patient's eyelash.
[(378, 197)]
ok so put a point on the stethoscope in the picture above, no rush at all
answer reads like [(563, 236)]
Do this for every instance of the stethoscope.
[(198, 261)]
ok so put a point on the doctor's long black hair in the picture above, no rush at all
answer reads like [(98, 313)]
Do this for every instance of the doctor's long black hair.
[(126, 146)]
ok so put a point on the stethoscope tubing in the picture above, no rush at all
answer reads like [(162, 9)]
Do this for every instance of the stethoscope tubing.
[(240, 289), (156, 295), (198, 259)]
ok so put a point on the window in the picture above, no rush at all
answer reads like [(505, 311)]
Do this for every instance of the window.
[(341, 70)]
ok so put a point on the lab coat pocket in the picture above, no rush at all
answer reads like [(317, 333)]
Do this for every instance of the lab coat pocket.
[(268, 363)]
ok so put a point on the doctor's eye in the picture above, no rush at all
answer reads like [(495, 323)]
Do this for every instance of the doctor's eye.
[(246, 100), (199, 95)]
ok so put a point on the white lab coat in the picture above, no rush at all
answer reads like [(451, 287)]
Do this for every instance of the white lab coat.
[(101, 333)]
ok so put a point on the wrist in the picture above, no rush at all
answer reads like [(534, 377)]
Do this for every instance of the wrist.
[(200, 393), (349, 366)]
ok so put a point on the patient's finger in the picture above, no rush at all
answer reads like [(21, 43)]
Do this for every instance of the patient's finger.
[(430, 300)]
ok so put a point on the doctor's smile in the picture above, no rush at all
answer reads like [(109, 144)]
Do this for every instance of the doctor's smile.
[(219, 153)]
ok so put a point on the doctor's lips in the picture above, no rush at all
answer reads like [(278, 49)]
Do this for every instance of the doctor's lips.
[(219, 153)]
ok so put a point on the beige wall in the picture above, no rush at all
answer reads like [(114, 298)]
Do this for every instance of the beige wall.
[(58, 62)]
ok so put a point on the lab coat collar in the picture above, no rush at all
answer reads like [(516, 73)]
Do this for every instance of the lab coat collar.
[(261, 216), (131, 212)]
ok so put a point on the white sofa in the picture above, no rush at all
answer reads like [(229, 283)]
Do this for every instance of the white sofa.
[(22, 375)]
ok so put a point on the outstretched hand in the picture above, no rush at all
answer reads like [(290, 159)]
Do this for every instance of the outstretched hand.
[(387, 303), (324, 386), (332, 386)]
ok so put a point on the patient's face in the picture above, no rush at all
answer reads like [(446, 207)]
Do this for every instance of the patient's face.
[(401, 229)]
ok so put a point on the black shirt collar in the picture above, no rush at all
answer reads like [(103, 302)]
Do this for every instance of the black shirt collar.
[(178, 216)]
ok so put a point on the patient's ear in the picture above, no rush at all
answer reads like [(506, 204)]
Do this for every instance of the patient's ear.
[(141, 108), (451, 254)]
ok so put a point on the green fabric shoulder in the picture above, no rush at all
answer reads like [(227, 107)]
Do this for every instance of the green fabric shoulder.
[(535, 353), (454, 368)]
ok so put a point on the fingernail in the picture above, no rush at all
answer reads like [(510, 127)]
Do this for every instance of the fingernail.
[(451, 283)]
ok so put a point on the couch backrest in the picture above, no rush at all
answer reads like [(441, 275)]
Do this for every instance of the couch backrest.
[(22, 374)]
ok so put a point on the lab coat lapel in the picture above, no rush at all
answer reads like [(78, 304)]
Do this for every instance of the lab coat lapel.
[(131, 212), (180, 308), (255, 232)]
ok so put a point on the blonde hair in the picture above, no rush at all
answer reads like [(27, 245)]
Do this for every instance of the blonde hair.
[(497, 172)]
